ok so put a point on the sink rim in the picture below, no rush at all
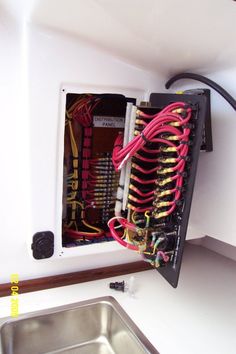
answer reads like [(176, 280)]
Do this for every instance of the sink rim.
[(110, 300)]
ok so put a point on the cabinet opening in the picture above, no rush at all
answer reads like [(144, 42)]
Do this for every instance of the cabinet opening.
[(90, 182)]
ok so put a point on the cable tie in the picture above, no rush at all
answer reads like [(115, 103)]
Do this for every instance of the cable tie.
[(194, 107), (190, 105), (118, 200), (182, 174), (177, 202), (184, 114), (188, 126), (185, 158), (180, 189), (148, 142), (186, 142)]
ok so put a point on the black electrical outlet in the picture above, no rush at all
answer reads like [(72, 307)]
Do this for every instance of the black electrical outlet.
[(43, 245)]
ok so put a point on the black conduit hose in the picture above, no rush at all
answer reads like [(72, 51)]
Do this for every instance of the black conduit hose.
[(206, 81)]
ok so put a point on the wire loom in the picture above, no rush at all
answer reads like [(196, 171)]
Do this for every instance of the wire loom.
[(91, 181), (159, 154), (77, 227)]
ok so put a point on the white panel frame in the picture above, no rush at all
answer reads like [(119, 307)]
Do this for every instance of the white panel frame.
[(93, 249)]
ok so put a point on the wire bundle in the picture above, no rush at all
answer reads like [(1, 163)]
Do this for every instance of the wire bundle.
[(81, 113), (82, 109), (159, 124), (159, 153)]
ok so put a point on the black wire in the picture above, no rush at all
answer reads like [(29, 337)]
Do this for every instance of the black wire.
[(206, 81)]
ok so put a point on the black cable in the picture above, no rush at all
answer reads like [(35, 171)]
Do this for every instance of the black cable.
[(206, 81)]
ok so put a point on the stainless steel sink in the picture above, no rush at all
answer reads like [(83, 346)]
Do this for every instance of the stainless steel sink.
[(97, 326)]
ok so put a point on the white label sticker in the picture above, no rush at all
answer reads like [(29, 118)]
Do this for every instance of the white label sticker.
[(108, 122)]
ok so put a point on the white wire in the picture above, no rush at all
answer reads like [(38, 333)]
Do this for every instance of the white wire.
[(116, 218)]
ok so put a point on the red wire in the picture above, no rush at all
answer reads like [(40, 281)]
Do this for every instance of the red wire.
[(157, 130), (150, 131), (76, 234), (135, 178), (142, 201), (115, 235), (145, 171), (136, 190)]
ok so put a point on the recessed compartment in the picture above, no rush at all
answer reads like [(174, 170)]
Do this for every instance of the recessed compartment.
[(90, 182)]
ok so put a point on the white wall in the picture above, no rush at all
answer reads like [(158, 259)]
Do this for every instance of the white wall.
[(37, 63), (213, 208), (161, 35), (14, 147)]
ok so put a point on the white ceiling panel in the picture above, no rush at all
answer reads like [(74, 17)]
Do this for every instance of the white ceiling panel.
[(166, 36)]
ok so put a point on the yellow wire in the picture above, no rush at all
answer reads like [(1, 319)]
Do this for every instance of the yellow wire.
[(83, 221), (132, 217), (73, 142), (147, 214), (79, 104), (75, 155)]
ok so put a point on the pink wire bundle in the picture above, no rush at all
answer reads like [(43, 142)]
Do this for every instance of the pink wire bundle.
[(158, 125)]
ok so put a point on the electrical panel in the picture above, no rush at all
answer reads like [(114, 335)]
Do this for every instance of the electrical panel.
[(129, 172), (92, 124)]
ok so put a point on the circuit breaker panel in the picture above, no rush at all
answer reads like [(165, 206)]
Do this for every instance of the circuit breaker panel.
[(129, 173)]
